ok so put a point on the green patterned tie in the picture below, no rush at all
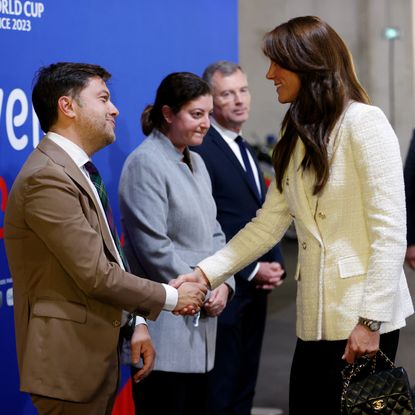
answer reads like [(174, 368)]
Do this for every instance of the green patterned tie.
[(103, 195)]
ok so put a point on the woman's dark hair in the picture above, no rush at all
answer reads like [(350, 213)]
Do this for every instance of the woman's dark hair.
[(312, 49), (57, 80), (175, 90)]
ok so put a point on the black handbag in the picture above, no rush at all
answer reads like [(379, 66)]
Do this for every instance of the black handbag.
[(368, 390)]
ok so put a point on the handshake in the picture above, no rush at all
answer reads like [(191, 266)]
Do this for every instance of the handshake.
[(192, 289)]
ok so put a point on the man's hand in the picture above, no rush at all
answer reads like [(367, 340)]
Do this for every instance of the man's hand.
[(191, 297), (217, 301), (269, 275), (410, 256), (361, 342), (142, 347)]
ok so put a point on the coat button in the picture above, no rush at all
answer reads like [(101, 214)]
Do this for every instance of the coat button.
[(287, 181), (304, 245), (116, 323), (322, 215)]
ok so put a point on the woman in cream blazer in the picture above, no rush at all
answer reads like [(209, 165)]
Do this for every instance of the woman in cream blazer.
[(339, 178)]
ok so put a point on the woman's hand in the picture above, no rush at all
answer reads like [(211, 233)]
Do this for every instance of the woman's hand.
[(217, 301), (361, 342)]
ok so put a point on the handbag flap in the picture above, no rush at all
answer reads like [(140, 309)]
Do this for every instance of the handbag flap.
[(387, 387)]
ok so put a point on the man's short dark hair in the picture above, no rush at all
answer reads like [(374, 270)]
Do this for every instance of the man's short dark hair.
[(57, 80)]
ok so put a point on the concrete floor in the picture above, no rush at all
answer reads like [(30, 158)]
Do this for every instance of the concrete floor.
[(279, 341)]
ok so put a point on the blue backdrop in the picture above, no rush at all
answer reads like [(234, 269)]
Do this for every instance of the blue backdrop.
[(139, 42)]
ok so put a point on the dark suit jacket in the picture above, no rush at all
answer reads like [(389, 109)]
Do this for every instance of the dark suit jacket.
[(69, 291), (409, 175), (236, 201)]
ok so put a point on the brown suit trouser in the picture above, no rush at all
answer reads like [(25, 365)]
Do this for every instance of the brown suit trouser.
[(50, 406), (101, 404)]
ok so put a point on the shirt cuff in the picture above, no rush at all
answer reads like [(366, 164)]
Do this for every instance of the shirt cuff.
[(140, 320), (172, 297), (254, 272)]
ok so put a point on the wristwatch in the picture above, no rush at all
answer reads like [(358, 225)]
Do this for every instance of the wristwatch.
[(372, 325)]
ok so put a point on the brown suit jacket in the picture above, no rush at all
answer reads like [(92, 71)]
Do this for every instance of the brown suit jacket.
[(69, 291)]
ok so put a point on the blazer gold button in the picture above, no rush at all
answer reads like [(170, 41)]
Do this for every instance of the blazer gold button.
[(116, 323), (304, 245), (322, 215)]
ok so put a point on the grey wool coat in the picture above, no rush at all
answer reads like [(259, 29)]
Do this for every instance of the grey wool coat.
[(169, 219)]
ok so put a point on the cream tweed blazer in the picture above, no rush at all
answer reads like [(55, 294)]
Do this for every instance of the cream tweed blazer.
[(351, 237)]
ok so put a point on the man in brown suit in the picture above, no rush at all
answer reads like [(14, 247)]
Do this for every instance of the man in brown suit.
[(70, 283)]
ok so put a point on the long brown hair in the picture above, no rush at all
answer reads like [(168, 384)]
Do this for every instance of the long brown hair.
[(309, 47)]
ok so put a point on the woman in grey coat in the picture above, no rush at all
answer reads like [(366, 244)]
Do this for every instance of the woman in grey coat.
[(169, 218)]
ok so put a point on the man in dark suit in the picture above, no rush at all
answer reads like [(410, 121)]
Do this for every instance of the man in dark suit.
[(409, 176), (70, 283), (239, 190)]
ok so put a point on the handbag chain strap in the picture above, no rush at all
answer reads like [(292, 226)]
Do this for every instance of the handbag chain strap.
[(355, 368)]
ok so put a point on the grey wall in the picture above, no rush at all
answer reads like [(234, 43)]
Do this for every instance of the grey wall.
[(361, 24)]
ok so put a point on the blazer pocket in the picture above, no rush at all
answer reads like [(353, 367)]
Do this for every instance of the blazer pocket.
[(64, 310), (352, 266)]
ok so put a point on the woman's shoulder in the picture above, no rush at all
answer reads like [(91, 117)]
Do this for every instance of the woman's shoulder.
[(146, 150), (360, 109), (361, 114), (367, 125), (145, 158)]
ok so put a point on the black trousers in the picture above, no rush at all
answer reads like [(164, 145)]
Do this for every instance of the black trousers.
[(238, 348), (316, 381), (171, 393)]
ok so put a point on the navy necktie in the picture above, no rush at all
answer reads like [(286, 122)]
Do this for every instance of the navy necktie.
[(248, 169), (96, 179)]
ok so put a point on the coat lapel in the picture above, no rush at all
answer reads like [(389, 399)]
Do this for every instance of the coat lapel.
[(261, 176), (299, 185), (221, 143), (303, 182), (60, 157)]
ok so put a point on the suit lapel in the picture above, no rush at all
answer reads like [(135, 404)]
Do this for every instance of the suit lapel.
[(221, 143), (299, 186), (261, 176), (60, 157)]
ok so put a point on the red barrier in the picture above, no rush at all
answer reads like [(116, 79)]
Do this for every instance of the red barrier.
[(124, 403), (3, 193)]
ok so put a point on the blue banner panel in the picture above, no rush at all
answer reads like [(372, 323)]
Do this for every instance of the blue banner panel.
[(139, 42)]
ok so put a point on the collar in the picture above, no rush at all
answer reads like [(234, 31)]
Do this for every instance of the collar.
[(76, 153), (228, 135), (167, 145)]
